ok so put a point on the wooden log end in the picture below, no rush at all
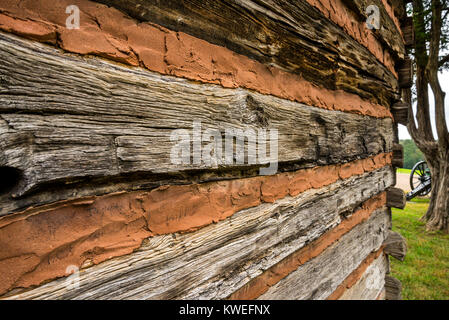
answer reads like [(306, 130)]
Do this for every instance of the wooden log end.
[(395, 246), (405, 73), (396, 198), (398, 156), (400, 112), (393, 288), (408, 31)]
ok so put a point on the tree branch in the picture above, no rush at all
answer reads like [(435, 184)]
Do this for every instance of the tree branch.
[(443, 61), (422, 59), (446, 14), (432, 74)]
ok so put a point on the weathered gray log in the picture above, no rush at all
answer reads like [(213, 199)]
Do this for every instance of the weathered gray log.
[(396, 246), (291, 35), (405, 73), (398, 155), (409, 32), (65, 120), (371, 284), (321, 276), (396, 198), (214, 261), (400, 112), (388, 33), (393, 288)]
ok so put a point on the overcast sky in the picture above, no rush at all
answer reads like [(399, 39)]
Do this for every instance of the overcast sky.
[(444, 81)]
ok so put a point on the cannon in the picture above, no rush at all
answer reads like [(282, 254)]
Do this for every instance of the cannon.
[(420, 181)]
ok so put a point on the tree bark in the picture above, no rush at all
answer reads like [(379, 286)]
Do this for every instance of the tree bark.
[(437, 216)]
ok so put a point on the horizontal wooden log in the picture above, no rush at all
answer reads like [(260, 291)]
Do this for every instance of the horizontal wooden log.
[(65, 120), (398, 155), (409, 32), (291, 35), (213, 262), (372, 282), (318, 278), (388, 32), (396, 198), (405, 73), (393, 288), (400, 112), (396, 245), (90, 228)]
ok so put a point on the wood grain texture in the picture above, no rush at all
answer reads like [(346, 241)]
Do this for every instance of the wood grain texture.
[(405, 73), (398, 155), (372, 282), (409, 32), (291, 35), (393, 288), (73, 126), (381, 296), (400, 112), (214, 261), (320, 277), (65, 120), (396, 246), (396, 198)]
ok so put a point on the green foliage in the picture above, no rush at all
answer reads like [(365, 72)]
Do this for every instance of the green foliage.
[(423, 31), (424, 273), (402, 170), (445, 36), (412, 154)]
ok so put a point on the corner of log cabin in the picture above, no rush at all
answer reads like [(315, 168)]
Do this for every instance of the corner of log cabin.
[(94, 182)]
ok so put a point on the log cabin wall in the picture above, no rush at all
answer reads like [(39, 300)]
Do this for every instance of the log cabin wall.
[(89, 185)]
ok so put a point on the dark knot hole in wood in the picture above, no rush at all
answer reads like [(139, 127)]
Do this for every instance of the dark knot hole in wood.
[(10, 178)]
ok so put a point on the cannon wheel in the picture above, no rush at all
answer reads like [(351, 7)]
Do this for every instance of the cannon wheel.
[(420, 173)]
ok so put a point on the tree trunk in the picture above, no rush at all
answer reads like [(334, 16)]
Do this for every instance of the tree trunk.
[(427, 49), (437, 216)]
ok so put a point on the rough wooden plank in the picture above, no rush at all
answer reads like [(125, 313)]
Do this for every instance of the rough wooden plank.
[(396, 245), (398, 155), (409, 32), (65, 120), (213, 262), (372, 282), (393, 288), (400, 112), (396, 198), (291, 35), (318, 278), (405, 73)]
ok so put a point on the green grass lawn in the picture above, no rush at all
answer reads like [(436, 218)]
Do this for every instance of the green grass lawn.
[(425, 272), (402, 170)]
